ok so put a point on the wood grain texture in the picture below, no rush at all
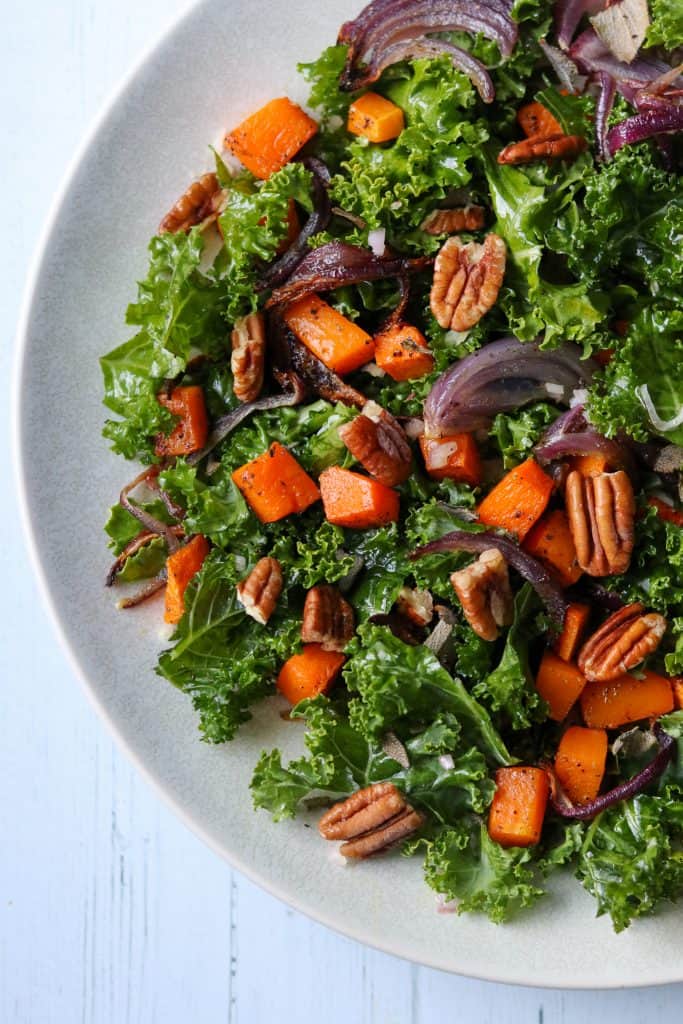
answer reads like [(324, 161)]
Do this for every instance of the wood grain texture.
[(111, 912)]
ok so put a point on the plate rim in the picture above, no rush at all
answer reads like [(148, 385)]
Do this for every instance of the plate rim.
[(17, 449)]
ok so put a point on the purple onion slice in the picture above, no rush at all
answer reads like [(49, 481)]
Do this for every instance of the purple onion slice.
[(530, 568), (571, 434), (336, 264), (414, 49), (502, 377), (153, 525), (624, 791), (226, 424), (659, 119), (608, 89)]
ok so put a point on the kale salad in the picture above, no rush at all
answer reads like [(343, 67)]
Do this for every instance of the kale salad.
[(406, 385)]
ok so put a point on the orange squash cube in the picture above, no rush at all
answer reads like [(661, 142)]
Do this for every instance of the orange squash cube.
[(551, 541), (309, 673), (518, 807), (580, 763), (560, 684), (626, 699), (357, 501), (269, 138), (275, 485), (455, 457), (375, 118), (402, 352), (181, 566), (519, 500), (337, 342)]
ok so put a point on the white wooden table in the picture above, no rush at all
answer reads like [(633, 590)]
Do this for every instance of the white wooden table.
[(111, 912)]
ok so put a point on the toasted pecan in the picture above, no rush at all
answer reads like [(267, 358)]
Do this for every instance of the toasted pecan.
[(379, 443), (485, 594), (449, 222), (467, 279), (328, 618), (370, 820), (601, 511), (622, 642), (543, 147), (199, 202), (260, 591), (248, 357)]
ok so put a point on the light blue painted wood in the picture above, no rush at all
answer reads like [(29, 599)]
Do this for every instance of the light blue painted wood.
[(110, 911)]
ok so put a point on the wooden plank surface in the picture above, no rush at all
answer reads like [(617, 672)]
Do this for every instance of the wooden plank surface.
[(111, 912)]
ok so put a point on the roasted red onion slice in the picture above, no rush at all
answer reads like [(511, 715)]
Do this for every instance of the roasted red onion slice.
[(568, 14), (336, 264), (649, 774), (608, 88), (226, 424), (571, 434), (150, 523), (565, 68), (413, 49), (281, 269), (149, 590), (656, 120), (136, 544), (388, 31), (530, 568), (591, 55), (501, 377), (361, 33)]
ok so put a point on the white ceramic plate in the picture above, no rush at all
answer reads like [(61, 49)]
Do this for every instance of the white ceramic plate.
[(221, 61)]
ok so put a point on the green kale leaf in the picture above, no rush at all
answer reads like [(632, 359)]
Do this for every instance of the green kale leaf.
[(631, 858), (179, 308), (395, 681), (516, 433), (221, 657), (341, 759), (510, 687), (651, 355), (666, 24), (253, 225), (463, 864)]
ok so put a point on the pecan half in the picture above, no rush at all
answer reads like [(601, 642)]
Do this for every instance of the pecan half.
[(328, 618), (416, 605), (248, 356), (485, 594), (543, 147), (467, 279), (449, 222), (379, 443), (370, 820), (197, 203), (260, 591), (601, 511), (621, 643)]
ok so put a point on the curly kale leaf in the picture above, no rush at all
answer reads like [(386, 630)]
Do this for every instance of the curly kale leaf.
[(222, 658), (179, 308), (631, 858), (516, 433), (396, 682), (465, 865), (253, 225), (341, 759), (666, 24), (652, 355), (510, 688)]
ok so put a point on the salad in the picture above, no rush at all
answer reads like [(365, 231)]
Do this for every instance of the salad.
[(406, 386)]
